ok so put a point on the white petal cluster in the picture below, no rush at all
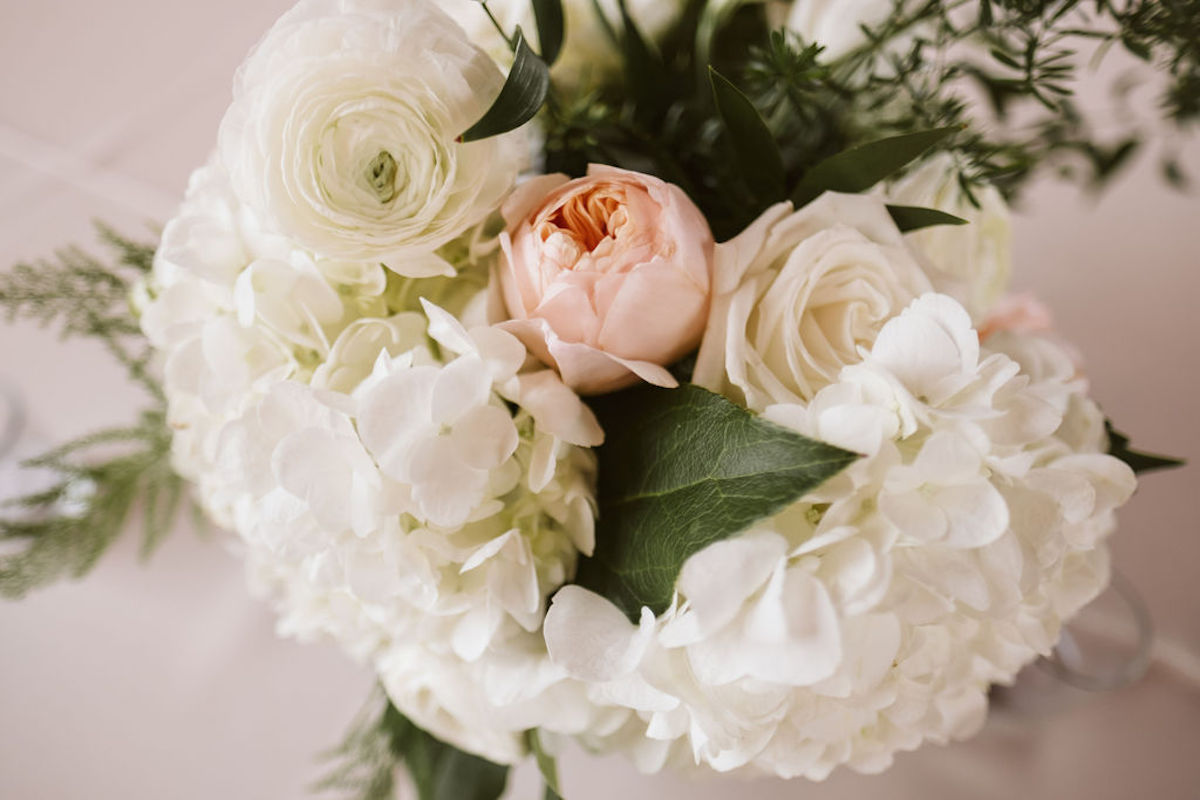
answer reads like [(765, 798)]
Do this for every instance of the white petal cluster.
[(344, 131), (873, 615), (400, 483)]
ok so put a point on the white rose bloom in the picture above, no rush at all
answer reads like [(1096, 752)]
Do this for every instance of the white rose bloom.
[(972, 262), (875, 613), (588, 51), (797, 294), (343, 131)]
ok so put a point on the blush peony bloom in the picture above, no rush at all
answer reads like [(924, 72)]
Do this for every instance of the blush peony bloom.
[(607, 277)]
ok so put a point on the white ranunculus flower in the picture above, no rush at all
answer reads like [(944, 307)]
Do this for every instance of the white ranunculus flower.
[(873, 614), (972, 262), (343, 131), (588, 52), (797, 294)]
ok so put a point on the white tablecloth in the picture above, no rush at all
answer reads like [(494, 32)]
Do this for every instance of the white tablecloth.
[(145, 683)]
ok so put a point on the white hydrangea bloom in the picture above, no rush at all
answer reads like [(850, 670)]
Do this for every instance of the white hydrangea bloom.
[(874, 614), (386, 494), (235, 307)]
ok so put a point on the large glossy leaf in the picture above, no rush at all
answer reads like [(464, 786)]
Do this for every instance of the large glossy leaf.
[(1139, 462), (753, 145), (863, 166), (912, 218), (520, 98), (681, 469), (551, 28)]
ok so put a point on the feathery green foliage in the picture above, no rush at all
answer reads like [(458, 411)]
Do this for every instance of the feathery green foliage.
[(924, 67), (101, 480)]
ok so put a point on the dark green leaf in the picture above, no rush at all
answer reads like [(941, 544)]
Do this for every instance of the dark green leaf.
[(440, 771), (551, 28), (681, 469), (713, 17), (519, 100), (753, 145), (380, 742), (1139, 462), (644, 74), (546, 765), (861, 167), (912, 218)]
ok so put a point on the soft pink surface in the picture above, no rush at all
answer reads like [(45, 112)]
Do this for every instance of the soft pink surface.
[(167, 682)]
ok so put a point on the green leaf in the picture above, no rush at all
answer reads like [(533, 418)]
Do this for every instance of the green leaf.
[(753, 144), (441, 771), (912, 218), (645, 76), (681, 469), (551, 28), (863, 166), (1139, 462), (546, 765), (381, 742), (714, 16), (521, 97)]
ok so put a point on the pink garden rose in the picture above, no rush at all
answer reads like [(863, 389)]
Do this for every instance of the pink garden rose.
[(607, 277)]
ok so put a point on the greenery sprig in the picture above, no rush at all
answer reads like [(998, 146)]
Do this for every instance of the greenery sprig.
[(920, 69), (100, 480)]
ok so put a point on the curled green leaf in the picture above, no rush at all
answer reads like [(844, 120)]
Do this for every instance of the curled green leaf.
[(912, 218), (551, 27), (520, 98)]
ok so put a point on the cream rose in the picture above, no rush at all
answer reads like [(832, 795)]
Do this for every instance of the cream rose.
[(798, 294), (606, 277), (343, 131), (972, 262)]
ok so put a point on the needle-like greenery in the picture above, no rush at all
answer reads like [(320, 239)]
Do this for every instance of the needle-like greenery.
[(102, 480), (1004, 72)]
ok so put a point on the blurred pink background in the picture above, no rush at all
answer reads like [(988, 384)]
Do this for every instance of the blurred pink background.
[(167, 682)]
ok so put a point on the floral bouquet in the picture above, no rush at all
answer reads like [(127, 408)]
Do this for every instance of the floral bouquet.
[(633, 373)]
